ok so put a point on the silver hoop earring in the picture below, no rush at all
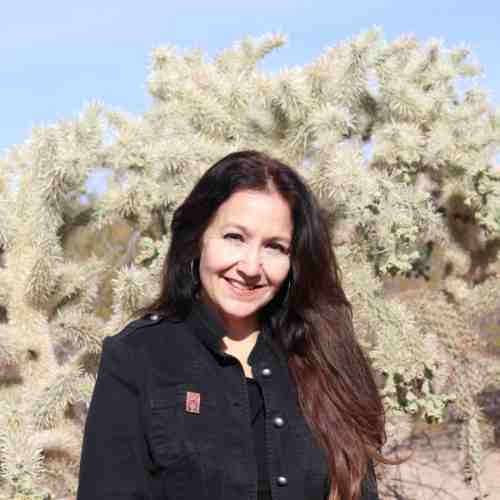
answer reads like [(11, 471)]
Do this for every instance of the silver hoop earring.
[(193, 272), (289, 286), (196, 280)]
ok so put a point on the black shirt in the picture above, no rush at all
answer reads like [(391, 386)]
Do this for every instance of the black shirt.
[(258, 428)]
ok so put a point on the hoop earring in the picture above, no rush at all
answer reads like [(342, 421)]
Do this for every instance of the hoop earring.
[(193, 272), (289, 286), (196, 280)]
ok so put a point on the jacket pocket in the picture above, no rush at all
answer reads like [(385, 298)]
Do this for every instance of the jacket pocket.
[(183, 479), (181, 438), (169, 438)]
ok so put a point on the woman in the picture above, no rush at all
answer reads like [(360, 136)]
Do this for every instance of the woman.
[(243, 380)]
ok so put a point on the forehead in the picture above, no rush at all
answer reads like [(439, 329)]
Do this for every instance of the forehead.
[(261, 211)]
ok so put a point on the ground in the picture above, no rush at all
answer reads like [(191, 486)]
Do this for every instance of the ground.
[(434, 471)]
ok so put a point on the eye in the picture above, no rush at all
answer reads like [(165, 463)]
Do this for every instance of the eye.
[(233, 236), (278, 247)]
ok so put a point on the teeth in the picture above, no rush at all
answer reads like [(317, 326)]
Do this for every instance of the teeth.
[(243, 287)]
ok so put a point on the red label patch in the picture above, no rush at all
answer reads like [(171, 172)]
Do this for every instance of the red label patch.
[(193, 402)]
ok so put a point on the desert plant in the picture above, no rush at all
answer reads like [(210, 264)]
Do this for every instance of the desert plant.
[(398, 155)]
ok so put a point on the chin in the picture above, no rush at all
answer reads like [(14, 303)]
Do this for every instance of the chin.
[(240, 310)]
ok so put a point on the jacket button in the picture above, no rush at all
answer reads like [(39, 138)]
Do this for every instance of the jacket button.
[(282, 480), (278, 422), (154, 317), (266, 372)]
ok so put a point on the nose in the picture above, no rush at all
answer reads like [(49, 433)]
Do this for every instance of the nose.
[(250, 265)]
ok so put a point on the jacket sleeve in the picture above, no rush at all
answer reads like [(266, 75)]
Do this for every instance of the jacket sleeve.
[(112, 463), (369, 489)]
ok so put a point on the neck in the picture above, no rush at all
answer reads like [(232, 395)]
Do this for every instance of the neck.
[(242, 345), (237, 329)]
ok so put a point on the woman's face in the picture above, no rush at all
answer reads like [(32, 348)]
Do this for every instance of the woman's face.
[(245, 256)]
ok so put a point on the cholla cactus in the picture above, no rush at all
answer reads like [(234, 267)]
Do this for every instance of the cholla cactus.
[(49, 301), (401, 160)]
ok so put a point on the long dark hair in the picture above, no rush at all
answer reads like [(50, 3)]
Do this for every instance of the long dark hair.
[(310, 316)]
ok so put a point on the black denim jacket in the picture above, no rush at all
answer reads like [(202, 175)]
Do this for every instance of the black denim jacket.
[(169, 419)]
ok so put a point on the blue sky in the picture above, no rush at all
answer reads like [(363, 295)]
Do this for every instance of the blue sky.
[(57, 55)]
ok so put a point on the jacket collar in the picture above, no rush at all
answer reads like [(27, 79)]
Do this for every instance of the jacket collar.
[(210, 331), (206, 325)]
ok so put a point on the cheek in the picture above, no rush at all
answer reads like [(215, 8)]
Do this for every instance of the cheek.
[(215, 257), (278, 271)]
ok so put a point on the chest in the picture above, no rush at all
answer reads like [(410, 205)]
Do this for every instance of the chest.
[(199, 430), (241, 352)]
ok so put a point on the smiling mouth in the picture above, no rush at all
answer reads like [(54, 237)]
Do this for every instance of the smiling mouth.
[(242, 287)]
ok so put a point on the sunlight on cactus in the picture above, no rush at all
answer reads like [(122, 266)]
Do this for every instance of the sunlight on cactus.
[(401, 160)]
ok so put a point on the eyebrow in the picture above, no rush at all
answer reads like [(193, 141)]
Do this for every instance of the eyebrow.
[(243, 229)]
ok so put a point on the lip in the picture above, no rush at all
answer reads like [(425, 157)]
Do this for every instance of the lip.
[(240, 291)]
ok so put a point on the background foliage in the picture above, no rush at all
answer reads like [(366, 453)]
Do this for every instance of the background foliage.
[(395, 138)]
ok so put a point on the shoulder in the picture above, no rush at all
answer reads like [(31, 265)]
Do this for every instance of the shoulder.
[(137, 345), (151, 334), (136, 328)]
